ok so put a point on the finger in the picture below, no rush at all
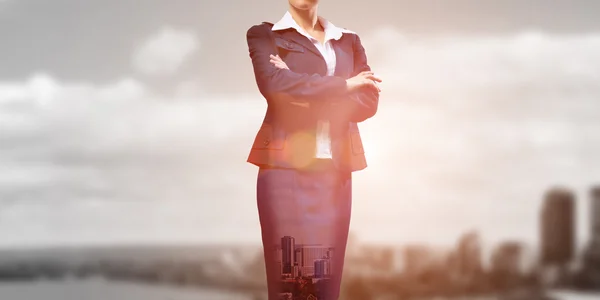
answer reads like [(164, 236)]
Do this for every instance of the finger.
[(277, 62), (284, 65), (373, 85), (302, 104), (376, 85), (275, 58), (371, 76), (281, 66), (374, 78), (375, 88)]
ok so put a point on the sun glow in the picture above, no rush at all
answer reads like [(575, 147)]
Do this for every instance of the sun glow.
[(372, 145)]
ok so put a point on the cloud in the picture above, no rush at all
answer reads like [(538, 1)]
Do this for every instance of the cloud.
[(94, 150), (523, 91), (531, 60), (165, 51), (44, 90), (486, 123), (470, 132), (122, 116)]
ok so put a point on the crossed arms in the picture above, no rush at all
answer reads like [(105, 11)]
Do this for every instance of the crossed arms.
[(360, 102)]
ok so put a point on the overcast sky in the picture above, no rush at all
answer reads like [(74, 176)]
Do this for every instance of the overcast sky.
[(123, 123)]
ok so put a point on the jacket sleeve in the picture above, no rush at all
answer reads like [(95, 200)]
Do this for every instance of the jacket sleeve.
[(364, 102), (283, 84)]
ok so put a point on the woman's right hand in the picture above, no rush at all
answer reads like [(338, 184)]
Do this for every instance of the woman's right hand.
[(366, 78)]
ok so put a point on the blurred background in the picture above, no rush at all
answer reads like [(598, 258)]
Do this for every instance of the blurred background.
[(125, 126)]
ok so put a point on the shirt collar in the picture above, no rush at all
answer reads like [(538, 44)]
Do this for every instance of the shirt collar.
[(331, 31)]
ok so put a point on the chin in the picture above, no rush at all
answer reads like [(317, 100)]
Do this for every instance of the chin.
[(304, 4)]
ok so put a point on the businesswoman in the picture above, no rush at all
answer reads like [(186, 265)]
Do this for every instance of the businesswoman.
[(318, 86)]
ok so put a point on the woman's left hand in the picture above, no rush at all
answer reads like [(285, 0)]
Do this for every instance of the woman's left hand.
[(278, 62)]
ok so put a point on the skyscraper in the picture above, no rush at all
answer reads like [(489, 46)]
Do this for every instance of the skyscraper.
[(595, 214), (322, 268), (593, 250), (278, 260), (558, 227), (468, 255), (288, 247)]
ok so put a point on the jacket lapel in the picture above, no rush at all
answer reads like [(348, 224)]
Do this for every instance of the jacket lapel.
[(343, 60), (293, 36)]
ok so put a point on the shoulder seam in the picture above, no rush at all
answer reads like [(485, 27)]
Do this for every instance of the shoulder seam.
[(262, 26)]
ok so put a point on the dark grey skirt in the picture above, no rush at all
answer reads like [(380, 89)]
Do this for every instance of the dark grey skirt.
[(304, 218)]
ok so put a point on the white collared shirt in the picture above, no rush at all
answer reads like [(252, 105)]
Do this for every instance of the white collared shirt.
[(332, 32)]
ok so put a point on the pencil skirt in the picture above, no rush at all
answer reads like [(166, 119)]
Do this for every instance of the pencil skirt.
[(304, 218)]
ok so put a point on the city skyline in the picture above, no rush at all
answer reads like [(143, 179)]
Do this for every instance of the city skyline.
[(298, 259), (309, 265), (137, 130)]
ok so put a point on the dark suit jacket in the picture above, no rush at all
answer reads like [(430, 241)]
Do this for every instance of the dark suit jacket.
[(297, 98)]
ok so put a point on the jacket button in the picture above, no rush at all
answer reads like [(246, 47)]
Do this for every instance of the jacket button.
[(267, 142)]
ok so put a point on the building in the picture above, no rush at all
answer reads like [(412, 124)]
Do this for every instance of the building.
[(306, 255), (278, 260), (591, 261), (288, 246), (467, 256), (557, 234), (595, 218), (422, 258), (507, 258), (322, 268)]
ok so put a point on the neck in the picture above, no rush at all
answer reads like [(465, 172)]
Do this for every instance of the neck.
[(307, 19)]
